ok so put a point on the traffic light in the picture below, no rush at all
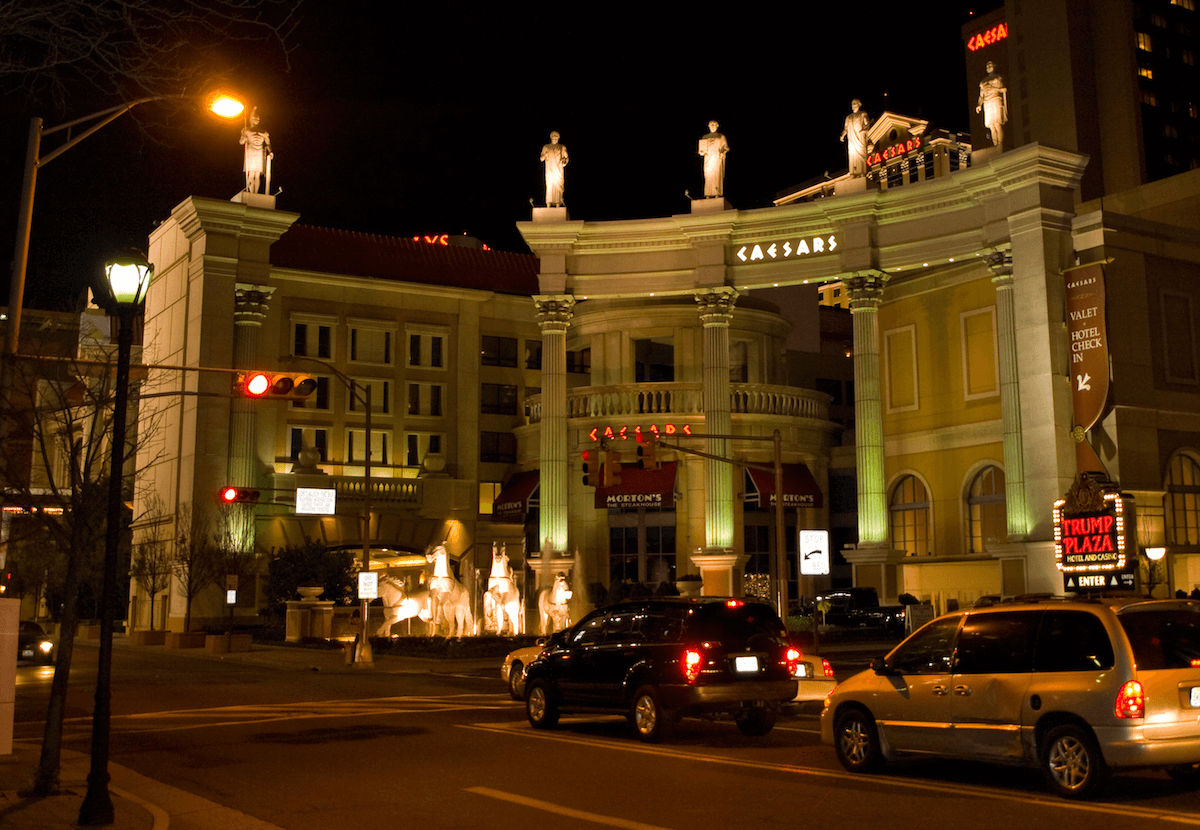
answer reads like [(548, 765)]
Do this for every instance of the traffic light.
[(6, 581), (238, 495), (287, 385), (648, 452), (611, 469), (589, 469)]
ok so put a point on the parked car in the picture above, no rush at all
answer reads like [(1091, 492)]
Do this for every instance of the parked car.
[(814, 677), (1076, 688), (512, 670), (33, 644), (860, 608), (656, 660)]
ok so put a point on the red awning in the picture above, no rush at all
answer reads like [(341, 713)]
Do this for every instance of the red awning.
[(799, 487), (640, 488), (513, 502)]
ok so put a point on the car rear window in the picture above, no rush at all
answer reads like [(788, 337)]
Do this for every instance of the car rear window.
[(1166, 639), (738, 625)]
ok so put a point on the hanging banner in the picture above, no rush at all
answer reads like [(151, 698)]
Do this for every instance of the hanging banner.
[(1088, 339)]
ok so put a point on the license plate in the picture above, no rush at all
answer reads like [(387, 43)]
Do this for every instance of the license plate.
[(1196, 697), (745, 664), (802, 670), (29, 653)]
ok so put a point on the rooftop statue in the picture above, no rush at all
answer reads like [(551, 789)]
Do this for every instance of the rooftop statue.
[(993, 103), (257, 164), (854, 133), (714, 147), (555, 157)]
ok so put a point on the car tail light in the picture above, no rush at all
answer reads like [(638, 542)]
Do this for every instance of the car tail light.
[(734, 603), (793, 656), (691, 664), (1196, 662), (1131, 701), (826, 669)]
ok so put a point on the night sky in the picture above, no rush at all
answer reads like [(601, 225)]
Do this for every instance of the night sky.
[(430, 120)]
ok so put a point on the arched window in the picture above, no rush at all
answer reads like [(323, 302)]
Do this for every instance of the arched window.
[(987, 519), (909, 510), (1183, 501)]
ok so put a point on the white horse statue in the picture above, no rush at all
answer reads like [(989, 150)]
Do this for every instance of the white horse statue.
[(553, 610), (502, 601), (450, 601), (400, 604)]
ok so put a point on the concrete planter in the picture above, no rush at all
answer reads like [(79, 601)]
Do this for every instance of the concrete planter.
[(177, 639), (146, 637), (224, 643)]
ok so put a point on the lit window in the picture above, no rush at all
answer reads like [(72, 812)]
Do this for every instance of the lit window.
[(1158, 20), (369, 344), (489, 491), (1188, 57), (987, 518), (1146, 72), (1183, 501), (909, 513), (1190, 5), (1144, 43), (1149, 99)]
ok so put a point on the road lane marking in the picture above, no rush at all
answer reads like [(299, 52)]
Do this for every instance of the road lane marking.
[(940, 788), (569, 812)]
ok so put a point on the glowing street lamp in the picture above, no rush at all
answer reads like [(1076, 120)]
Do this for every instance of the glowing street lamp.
[(124, 292)]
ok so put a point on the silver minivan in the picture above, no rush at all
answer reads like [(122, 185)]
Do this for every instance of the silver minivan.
[(1076, 687)]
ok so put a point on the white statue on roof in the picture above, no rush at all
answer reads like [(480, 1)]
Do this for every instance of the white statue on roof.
[(854, 133), (993, 103), (555, 157), (713, 147), (257, 164)]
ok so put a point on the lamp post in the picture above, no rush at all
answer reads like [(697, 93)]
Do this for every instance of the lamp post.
[(128, 277)]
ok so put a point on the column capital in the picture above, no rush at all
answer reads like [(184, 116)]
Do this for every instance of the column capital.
[(716, 305), (554, 311), (1000, 263), (865, 288), (250, 303)]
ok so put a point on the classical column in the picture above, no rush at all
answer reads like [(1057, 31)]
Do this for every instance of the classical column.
[(866, 292), (1010, 395), (716, 310), (554, 312), (250, 309)]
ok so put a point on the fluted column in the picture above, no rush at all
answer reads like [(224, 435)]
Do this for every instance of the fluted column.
[(250, 309), (1010, 395), (554, 312), (716, 311), (866, 292)]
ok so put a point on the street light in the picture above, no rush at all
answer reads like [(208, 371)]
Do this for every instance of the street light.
[(128, 277)]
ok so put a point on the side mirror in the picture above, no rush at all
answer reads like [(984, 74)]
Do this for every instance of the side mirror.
[(879, 666)]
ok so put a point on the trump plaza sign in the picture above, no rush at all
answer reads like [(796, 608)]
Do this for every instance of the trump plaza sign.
[(1091, 546)]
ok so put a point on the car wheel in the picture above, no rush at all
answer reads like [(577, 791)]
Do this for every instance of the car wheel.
[(856, 741), (650, 720), (540, 707), (1186, 774), (755, 721), (1071, 761), (516, 681)]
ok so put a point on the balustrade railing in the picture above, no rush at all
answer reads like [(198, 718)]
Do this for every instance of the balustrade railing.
[(685, 399)]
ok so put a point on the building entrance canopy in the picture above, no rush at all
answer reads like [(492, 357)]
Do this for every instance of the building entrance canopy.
[(799, 487), (513, 502), (640, 488)]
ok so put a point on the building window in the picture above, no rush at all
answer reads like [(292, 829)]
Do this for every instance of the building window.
[(654, 360), (1178, 338), (489, 491), (1144, 43), (1190, 5), (381, 441), (641, 547), (420, 444), (981, 370), (739, 368), (497, 351), (1146, 72), (370, 344), (425, 399), (497, 399), (579, 362), (909, 511), (1183, 501), (381, 391), (900, 360), (425, 350), (987, 519), (1188, 57), (312, 339), (533, 354), (300, 437), (498, 447)]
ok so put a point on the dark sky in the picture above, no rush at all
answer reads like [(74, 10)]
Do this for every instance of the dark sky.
[(430, 120)]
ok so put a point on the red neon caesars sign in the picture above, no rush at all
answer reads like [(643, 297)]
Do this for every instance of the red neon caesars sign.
[(995, 34), (442, 239), (626, 433), (895, 150)]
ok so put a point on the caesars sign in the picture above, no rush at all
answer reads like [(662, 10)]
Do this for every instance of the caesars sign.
[(1088, 342)]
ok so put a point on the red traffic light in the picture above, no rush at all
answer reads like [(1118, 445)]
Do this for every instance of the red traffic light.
[(276, 385), (232, 495)]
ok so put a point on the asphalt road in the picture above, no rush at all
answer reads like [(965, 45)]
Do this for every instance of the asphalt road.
[(320, 746)]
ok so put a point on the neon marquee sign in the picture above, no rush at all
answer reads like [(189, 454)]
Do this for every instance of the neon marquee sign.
[(1093, 541), (442, 239), (788, 249), (625, 433), (979, 40), (895, 150)]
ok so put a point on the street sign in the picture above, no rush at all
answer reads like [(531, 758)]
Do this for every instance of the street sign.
[(316, 501), (368, 585), (814, 552)]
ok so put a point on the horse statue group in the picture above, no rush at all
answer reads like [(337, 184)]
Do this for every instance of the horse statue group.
[(443, 603)]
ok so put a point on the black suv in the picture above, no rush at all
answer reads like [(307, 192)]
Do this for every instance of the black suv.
[(659, 659)]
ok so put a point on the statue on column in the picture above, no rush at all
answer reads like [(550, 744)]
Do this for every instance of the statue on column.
[(555, 157), (714, 147), (854, 133), (993, 103), (257, 164)]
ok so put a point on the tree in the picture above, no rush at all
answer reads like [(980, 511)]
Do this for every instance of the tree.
[(311, 562), (151, 562), (196, 560)]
